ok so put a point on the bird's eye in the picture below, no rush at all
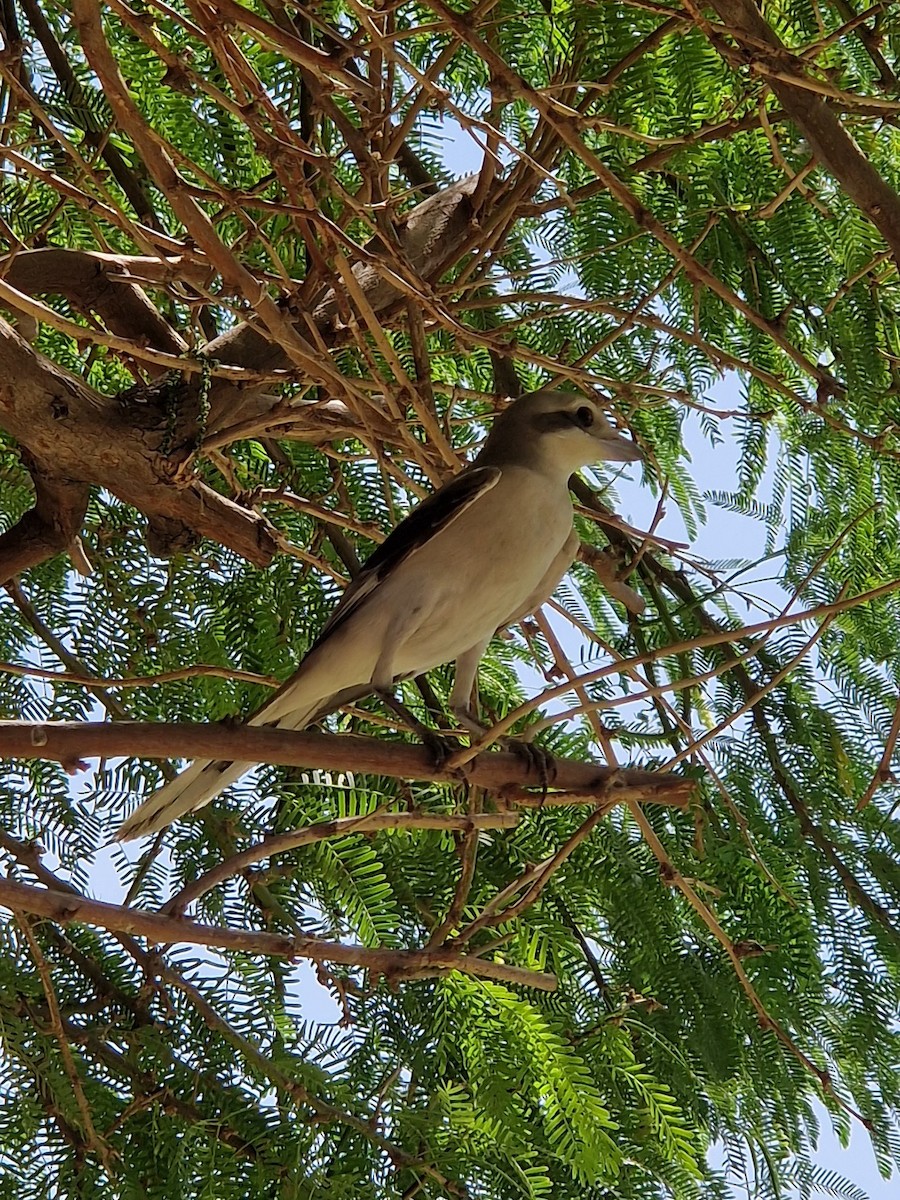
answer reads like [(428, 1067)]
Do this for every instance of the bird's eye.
[(584, 416)]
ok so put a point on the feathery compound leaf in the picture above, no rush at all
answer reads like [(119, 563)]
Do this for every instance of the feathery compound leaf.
[(269, 273)]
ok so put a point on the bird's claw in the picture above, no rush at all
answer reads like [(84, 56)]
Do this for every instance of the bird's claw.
[(536, 758), (442, 747)]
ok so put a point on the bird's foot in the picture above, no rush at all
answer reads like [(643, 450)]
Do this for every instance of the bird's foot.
[(442, 746), (537, 759)]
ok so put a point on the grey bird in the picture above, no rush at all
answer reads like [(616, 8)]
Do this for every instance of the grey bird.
[(485, 550)]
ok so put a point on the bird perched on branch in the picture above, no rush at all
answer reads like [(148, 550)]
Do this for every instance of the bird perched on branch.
[(485, 550)]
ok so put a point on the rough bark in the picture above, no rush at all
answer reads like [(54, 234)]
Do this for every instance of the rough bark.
[(74, 438)]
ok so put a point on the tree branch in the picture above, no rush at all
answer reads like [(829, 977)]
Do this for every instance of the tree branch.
[(280, 843), (132, 182), (64, 907), (69, 742), (431, 233), (73, 434), (45, 530), (107, 284), (831, 143)]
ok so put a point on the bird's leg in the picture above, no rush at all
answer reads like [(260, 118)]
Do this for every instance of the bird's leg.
[(382, 682), (439, 745), (461, 698), (464, 687), (435, 708)]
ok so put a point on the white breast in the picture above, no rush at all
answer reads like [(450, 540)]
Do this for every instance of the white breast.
[(472, 577)]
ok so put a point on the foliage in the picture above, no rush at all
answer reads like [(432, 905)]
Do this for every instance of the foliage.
[(720, 968)]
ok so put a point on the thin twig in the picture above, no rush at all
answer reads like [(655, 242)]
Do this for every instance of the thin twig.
[(280, 843), (66, 907), (883, 772), (133, 681), (753, 700), (95, 1142), (713, 637)]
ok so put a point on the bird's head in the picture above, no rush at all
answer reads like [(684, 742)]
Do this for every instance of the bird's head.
[(560, 429)]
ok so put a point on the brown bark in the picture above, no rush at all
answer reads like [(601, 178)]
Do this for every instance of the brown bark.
[(65, 907), (47, 529), (71, 742), (75, 438), (109, 285), (831, 143)]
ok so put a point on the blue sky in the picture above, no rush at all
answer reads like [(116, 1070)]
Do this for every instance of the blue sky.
[(714, 469), (724, 534)]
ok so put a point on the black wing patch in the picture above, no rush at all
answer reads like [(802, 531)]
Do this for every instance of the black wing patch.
[(427, 519)]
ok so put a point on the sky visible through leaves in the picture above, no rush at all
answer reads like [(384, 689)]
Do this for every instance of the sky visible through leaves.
[(253, 311)]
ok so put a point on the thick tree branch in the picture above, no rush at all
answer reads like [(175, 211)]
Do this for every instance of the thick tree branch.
[(109, 285), (70, 742), (71, 432), (74, 435), (45, 530)]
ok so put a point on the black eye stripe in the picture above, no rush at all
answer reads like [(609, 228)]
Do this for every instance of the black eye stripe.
[(582, 417)]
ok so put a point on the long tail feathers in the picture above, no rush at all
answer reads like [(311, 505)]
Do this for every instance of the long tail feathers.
[(190, 789), (196, 785)]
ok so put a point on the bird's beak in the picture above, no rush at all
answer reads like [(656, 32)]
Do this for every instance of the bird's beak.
[(612, 448)]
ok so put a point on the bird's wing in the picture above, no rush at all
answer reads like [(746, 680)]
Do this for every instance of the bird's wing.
[(294, 700), (432, 516)]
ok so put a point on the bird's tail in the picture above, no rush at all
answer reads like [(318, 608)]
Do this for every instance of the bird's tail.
[(191, 788), (197, 784)]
